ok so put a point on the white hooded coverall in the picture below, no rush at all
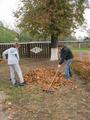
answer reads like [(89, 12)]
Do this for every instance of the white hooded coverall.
[(13, 62)]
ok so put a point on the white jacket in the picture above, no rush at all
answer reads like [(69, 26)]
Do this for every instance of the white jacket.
[(13, 56)]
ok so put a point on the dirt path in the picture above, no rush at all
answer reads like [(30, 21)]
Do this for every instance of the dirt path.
[(3, 115), (69, 103)]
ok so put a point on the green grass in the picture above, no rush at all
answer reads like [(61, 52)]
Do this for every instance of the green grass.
[(18, 94), (80, 49), (14, 93)]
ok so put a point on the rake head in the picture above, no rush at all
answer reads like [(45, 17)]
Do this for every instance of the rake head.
[(46, 89)]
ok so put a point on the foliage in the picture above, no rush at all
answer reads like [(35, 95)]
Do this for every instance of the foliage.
[(27, 36), (6, 35), (1, 24), (88, 32), (51, 17)]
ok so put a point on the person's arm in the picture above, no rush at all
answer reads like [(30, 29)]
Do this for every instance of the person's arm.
[(61, 60), (4, 54), (17, 55), (63, 56)]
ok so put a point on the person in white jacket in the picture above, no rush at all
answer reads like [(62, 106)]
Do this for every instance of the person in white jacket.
[(13, 63)]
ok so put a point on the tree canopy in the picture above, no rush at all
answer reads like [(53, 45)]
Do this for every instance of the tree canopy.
[(51, 17), (6, 35)]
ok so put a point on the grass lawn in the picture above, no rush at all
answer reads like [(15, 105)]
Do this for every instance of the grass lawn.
[(71, 102), (80, 49)]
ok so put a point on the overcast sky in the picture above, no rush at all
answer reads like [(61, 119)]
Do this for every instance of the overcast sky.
[(81, 32), (8, 6), (6, 11)]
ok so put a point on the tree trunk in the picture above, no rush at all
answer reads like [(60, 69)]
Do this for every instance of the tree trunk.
[(54, 40), (54, 48)]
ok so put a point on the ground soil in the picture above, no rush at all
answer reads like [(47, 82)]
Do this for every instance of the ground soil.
[(3, 115), (70, 102)]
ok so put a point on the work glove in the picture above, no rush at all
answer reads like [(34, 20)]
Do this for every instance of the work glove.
[(59, 65)]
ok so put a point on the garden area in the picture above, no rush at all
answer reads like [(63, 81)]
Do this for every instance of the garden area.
[(64, 101), (42, 28)]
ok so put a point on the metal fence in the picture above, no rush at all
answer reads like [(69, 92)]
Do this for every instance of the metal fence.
[(40, 49), (30, 49)]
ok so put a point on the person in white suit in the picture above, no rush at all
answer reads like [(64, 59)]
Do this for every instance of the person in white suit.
[(13, 63)]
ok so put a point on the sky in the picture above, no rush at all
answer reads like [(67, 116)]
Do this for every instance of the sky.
[(6, 12), (80, 33), (8, 6)]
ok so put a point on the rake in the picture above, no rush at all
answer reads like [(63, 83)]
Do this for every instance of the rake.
[(48, 89)]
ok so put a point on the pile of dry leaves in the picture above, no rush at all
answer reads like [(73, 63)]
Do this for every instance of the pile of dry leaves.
[(45, 76), (82, 68)]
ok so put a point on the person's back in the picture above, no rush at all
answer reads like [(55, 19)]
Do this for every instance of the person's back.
[(13, 56), (66, 53)]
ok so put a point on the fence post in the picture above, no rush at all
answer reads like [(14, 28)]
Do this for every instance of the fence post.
[(28, 50)]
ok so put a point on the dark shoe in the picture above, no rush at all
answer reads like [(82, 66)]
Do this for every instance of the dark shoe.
[(70, 74), (22, 84), (16, 84)]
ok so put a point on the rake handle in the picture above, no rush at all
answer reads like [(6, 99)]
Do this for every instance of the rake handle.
[(53, 78)]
